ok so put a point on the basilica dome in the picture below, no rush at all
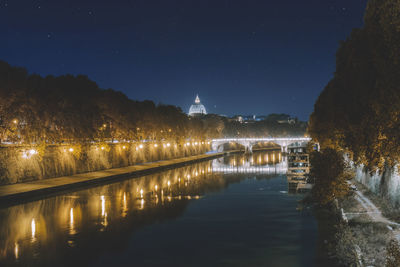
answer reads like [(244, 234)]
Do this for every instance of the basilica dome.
[(197, 108)]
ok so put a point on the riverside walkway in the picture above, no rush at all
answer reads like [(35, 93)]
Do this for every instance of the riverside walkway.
[(15, 193)]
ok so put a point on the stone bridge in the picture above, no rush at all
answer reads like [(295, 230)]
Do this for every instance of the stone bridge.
[(248, 143)]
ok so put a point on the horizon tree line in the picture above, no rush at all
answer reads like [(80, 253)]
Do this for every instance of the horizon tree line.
[(68, 108)]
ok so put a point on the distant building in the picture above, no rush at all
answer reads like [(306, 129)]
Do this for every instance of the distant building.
[(289, 120), (197, 109), (248, 118)]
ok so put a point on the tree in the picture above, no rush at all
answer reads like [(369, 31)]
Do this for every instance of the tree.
[(359, 110), (329, 171)]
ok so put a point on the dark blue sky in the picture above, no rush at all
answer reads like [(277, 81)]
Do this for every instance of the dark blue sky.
[(240, 56)]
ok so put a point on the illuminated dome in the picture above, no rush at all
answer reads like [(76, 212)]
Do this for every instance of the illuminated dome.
[(197, 108)]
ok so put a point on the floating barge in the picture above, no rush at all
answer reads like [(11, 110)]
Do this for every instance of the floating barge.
[(298, 173)]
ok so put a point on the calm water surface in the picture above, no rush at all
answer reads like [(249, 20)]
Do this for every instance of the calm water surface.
[(232, 211)]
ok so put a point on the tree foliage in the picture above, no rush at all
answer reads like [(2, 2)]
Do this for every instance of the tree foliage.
[(73, 108), (359, 109), (329, 171), (35, 109)]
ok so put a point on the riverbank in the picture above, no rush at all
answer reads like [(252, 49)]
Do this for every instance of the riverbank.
[(17, 193), (21, 163), (364, 233)]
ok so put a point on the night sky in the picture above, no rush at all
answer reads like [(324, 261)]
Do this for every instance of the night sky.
[(240, 56)]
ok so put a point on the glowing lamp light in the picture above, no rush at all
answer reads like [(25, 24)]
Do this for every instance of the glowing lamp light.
[(15, 121), (33, 152), (71, 149), (123, 147), (168, 145), (140, 146), (16, 250), (156, 187), (168, 183), (33, 228), (188, 144), (155, 145), (102, 148)]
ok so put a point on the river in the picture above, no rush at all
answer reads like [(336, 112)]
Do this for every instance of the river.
[(231, 211)]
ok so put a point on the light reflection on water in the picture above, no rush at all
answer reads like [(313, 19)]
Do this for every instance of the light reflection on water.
[(88, 222)]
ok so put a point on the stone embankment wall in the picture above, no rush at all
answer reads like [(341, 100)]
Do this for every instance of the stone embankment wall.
[(385, 184), (21, 163)]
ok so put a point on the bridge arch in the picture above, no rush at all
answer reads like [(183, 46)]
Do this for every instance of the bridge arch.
[(221, 146), (266, 145)]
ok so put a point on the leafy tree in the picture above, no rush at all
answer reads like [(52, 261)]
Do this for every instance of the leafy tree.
[(359, 109), (329, 171)]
